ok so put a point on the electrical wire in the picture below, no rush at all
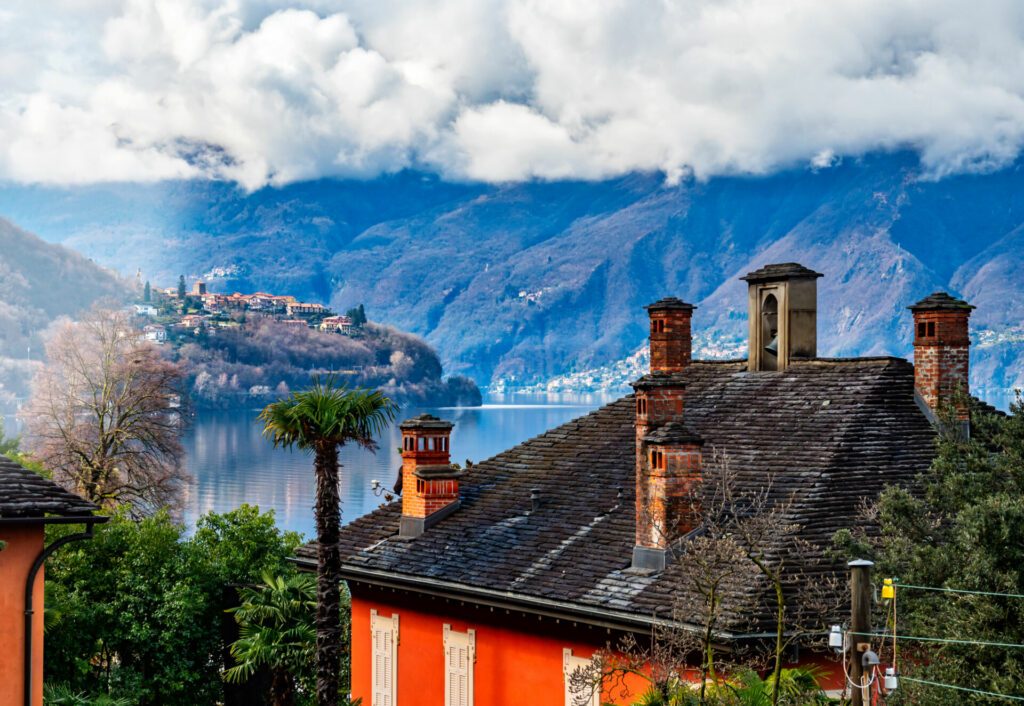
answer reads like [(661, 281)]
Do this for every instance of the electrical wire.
[(1008, 697), (980, 643), (961, 590), (846, 672)]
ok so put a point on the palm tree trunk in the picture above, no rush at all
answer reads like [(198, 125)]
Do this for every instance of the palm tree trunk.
[(328, 591), (282, 688)]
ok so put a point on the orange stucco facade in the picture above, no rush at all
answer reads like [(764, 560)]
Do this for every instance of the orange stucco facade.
[(24, 542), (518, 658)]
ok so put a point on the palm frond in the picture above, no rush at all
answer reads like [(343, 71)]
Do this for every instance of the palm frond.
[(327, 413)]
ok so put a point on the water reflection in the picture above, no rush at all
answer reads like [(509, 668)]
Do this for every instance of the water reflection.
[(231, 463)]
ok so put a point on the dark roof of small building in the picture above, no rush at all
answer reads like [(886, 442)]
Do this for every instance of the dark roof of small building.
[(660, 378), (25, 494), (426, 421), (674, 433), (782, 271), (670, 303), (830, 433), (940, 301)]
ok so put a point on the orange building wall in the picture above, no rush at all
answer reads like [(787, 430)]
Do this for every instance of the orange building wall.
[(518, 659), (24, 542)]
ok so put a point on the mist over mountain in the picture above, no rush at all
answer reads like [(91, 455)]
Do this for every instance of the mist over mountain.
[(40, 281), (520, 283)]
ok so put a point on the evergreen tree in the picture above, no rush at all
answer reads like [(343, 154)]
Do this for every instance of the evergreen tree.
[(181, 288), (147, 294), (962, 528), (358, 315)]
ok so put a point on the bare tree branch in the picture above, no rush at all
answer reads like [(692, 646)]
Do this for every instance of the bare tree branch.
[(102, 414)]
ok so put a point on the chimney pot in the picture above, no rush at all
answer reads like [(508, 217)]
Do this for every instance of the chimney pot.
[(671, 338), (941, 352), (430, 483)]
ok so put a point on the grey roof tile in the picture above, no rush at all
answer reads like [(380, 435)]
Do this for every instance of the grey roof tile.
[(25, 494), (829, 431)]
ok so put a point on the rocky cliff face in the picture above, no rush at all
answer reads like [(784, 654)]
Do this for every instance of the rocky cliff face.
[(526, 282)]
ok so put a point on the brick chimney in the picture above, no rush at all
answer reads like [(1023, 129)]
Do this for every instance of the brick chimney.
[(671, 340), (941, 352), (667, 454), (666, 505), (430, 484)]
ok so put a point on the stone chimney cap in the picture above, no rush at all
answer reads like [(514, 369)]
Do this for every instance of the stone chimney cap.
[(780, 271), (940, 301), (674, 433), (442, 471), (670, 303), (425, 421), (660, 379)]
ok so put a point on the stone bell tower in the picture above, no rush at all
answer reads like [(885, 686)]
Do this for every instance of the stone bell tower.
[(783, 315)]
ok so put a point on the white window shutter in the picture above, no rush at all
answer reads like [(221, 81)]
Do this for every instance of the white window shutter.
[(570, 664), (459, 657), (384, 665)]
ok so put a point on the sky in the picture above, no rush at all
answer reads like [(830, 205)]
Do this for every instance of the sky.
[(277, 91)]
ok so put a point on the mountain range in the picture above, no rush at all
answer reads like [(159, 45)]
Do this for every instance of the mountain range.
[(519, 284)]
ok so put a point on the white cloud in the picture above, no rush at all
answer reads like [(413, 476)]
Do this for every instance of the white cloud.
[(276, 91)]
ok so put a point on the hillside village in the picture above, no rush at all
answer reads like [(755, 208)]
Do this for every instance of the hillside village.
[(238, 349), (173, 310)]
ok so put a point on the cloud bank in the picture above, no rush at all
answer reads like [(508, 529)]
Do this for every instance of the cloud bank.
[(501, 90)]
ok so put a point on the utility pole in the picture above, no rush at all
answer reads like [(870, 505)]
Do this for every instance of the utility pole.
[(860, 626)]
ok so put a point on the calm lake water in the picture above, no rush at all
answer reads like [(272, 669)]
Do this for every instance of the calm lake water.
[(231, 463)]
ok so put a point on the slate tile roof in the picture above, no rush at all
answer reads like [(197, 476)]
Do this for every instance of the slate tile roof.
[(829, 431), (27, 495)]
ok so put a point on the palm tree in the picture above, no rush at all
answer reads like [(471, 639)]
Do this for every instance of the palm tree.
[(275, 630), (320, 420)]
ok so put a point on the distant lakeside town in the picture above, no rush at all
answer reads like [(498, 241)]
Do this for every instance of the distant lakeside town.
[(195, 310), (241, 350)]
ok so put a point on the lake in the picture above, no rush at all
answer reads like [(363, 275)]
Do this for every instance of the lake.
[(231, 463)]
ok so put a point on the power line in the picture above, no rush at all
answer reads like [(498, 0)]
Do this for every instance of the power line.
[(1008, 697), (981, 643), (960, 590)]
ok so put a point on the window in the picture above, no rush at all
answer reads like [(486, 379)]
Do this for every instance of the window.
[(459, 655), (657, 459), (921, 330), (931, 328), (384, 670), (582, 697)]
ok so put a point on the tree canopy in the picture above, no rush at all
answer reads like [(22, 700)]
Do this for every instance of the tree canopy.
[(962, 528), (138, 610)]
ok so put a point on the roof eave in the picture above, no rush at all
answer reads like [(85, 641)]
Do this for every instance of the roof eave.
[(55, 519), (590, 615)]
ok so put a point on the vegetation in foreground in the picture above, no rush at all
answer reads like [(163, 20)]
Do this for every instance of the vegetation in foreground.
[(962, 530), (319, 421), (137, 615)]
